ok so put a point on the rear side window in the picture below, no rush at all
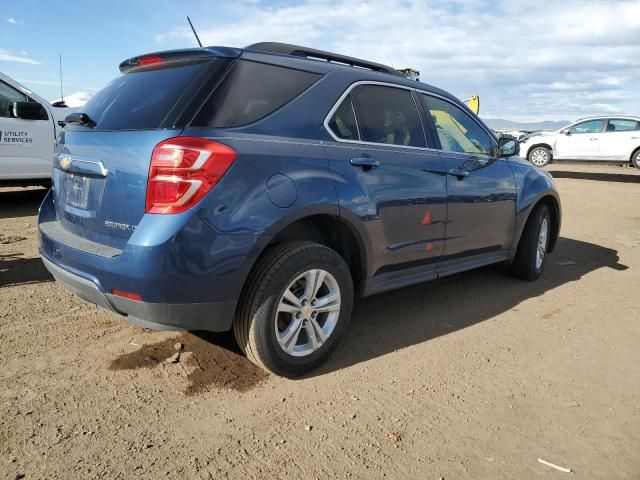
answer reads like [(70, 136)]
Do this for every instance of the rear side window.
[(387, 115), (145, 99), (621, 125), (250, 92), (343, 122), (456, 130)]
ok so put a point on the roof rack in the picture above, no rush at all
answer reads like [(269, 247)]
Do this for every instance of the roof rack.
[(298, 51)]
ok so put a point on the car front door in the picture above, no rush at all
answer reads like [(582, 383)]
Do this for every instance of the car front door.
[(620, 138), (388, 179), (481, 190), (580, 141), (26, 146)]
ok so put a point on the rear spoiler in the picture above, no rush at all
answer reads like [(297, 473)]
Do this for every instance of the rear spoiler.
[(169, 56)]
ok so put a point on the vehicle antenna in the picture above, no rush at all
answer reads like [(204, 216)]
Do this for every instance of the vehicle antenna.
[(60, 63), (194, 31)]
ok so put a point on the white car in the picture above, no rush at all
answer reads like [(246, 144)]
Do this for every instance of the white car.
[(28, 130), (604, 139)]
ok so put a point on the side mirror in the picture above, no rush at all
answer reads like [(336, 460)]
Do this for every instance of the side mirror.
[(508, 147), (567, 132), (28, 111)]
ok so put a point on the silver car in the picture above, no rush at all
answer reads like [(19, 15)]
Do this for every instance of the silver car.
[(606, 139)]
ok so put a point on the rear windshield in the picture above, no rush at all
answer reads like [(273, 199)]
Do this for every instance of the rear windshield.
[(250, 92), (146, 99)]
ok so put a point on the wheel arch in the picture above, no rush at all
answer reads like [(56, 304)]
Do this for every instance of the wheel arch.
[(553, 204), (541, 144), (327, 227), (633, 154)]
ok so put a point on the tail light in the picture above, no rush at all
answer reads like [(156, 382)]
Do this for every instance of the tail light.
[(183, 170)]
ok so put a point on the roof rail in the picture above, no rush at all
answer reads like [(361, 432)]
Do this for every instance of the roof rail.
[(298, 51)]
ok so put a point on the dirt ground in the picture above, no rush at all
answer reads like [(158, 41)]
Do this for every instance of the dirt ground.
[(474, 376)]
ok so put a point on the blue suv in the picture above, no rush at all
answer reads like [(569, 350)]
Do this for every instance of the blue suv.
[(262, 189)]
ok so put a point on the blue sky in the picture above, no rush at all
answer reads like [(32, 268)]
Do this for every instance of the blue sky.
[(527, 60)]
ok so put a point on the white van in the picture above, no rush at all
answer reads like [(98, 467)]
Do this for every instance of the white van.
[(28, 129)]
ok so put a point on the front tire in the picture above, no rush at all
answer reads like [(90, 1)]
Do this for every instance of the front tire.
[(635, 159), (540, 156), (529, 261), (295, 307)]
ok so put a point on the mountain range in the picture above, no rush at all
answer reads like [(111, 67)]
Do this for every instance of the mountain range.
[(499, 123)]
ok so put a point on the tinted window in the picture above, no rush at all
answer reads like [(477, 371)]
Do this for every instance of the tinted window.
[(143, 99), (387, 115), (8, 95), (619, 125), (457, 131), (343, 123), (591, 126), (250, 92)]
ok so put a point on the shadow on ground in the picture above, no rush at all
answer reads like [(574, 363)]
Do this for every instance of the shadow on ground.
[(387, 322), (16, 203), (394, 320), (597, 176), (16, 270)]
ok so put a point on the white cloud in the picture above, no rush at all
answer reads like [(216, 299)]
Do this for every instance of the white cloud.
[(13, 21), (8, 57), (77, 99), (548, 60)]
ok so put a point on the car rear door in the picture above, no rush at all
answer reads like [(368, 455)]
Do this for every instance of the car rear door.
[(620, 138), (102, 168), (481, 190), (388, 178), (581, 141)]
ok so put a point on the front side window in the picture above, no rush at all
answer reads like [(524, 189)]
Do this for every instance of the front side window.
[(457, 131), (620, 125), (590, 126), (387, 115), (8, 95), (343, 122)]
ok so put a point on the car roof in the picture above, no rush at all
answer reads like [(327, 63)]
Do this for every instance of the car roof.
[(296, 56), (605, 117)]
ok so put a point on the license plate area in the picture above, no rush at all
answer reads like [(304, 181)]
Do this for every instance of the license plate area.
[(77, 191)]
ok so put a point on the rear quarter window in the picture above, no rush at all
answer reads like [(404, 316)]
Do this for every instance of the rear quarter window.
[(252, 91)]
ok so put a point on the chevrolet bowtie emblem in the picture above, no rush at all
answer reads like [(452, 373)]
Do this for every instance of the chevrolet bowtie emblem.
[(65, 163)]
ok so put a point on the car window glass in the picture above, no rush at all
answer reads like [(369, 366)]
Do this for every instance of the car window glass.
[(591, 126), (8, 95), (252, 91), (387, 115), (620, 125), (457, 131), (142, 99), (343, 122)]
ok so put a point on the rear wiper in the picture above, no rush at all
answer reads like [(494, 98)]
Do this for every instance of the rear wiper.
[(81, 118)]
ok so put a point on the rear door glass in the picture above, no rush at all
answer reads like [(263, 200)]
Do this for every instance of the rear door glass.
[(388, 115), (252, 91), (146, 98), (621, 125)]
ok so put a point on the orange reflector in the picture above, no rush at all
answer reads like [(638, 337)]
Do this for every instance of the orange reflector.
[(129, 295)]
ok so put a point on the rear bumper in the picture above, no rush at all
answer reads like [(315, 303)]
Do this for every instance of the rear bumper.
[(214, 316)]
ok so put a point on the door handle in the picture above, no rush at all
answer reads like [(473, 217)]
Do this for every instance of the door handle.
[(593, 139), (459, 172), (365, 162)]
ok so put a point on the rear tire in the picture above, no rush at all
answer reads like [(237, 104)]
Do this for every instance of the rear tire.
[(276, 325), (635, 159), (539, 156), (529, 261)]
